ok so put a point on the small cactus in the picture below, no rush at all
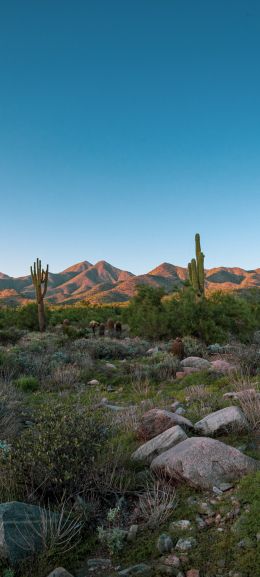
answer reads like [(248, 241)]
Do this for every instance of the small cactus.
[(110, 326), (101, 329), (177, 348)]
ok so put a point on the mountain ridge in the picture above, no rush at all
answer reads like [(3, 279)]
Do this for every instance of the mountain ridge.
[(104, 283)]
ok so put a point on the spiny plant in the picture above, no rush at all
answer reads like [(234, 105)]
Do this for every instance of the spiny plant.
[(40, 282), (196, 269)]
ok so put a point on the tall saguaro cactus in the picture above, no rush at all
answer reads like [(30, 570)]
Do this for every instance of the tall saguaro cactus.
[(40, 281), (196, 270)]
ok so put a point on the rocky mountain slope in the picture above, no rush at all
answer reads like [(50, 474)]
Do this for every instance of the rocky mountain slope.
[(105, 283)]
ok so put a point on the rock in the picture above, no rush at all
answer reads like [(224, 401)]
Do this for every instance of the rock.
[(149, 450), (116, 407), (196, 363), (203, 462), (164, 543), (180, 375), (205, 509), (193, 573), (221, 366), (200, 522), (156, 421), (153, 351), (172, 561), (140, 569), (98, 564), (175, 406), (111, 366), (180, 411), (132, 533), (21, 530), (183, 524), (222, 421), (186, 544), (93, 382), (225, 487), (60, 572)]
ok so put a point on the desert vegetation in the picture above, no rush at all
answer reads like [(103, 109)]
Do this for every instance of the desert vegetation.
[(130, 436)]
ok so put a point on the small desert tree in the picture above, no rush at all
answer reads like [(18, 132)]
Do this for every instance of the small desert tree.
[(40, 282)]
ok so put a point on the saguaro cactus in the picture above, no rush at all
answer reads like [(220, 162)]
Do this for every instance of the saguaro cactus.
[(196, 269), (40, 281)]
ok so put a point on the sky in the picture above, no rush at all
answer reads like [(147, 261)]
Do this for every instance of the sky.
[(126, 126)]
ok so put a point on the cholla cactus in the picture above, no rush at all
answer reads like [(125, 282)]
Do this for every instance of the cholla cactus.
[(196, 270), (40, 281)]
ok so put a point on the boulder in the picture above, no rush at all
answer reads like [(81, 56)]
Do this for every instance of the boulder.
[(186, 544), (156, 421), (196, 363), (60, 572), (159, 444), (204, 463), (93, 382), (223, 420), (223, 366), (21, 530)]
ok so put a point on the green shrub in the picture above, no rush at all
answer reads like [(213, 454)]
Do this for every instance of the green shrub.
[(10, 335), (27, 384), (56, 455)]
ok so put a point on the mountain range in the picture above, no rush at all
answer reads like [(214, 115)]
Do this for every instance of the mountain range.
[(104, 283)]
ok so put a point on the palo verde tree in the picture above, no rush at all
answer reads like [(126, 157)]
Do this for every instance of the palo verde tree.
[(40, 282), (196, 270)]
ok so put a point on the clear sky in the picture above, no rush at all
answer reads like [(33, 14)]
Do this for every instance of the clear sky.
[(126, 126)]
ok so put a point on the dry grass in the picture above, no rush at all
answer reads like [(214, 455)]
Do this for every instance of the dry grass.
[(65, 377), (156, 504), (249, 399)]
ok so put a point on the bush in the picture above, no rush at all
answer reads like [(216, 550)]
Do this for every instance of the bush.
[(56, 455), (213, 319), (105, 348), (10, 335), (27, 384)]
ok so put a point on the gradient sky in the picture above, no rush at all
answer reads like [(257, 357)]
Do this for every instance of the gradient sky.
[(126, 126)]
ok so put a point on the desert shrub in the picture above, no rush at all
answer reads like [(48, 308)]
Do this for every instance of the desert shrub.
[(163, 367), (27, 317), (112, 536), (146, 315), (10, 335), (194, 347), (247, 357), (82, 313), (63, 377), (9, 367), (56, 455), (32, 363), (213, 319), (11, 412), (106, 348), (27, 384)]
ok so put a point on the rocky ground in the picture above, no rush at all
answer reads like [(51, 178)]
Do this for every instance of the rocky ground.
[(179, 488)]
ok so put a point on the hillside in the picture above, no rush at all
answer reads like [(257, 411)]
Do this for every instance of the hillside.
[(104, 283)]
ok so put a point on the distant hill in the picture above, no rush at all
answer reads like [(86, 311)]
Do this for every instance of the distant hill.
[(104, 283)]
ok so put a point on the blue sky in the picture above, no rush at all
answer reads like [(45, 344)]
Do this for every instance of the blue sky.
[(126, 126)]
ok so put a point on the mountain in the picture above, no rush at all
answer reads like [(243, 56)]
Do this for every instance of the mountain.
[(104, 283)]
